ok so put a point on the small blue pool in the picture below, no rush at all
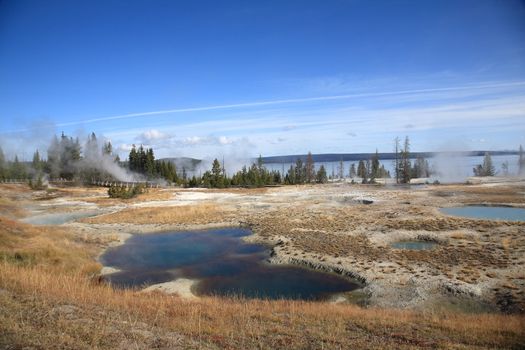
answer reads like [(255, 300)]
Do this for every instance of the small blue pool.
[(414, 245), (487, 213)]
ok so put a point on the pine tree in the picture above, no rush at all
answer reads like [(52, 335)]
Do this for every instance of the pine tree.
[(260, 164), (142, 160), (321, 175), (361, 169), (184, 176), (368, 170), (290, 176), (133, 159), (216, 175), (277, 177), (397, 167), (488, 167), (37, 184), (193, 182), (309, 169), (405, 162), (341, 170), (172, 168), (69, 155), (521, 162), (108, 148), (243, 181), (150, 168), (75, 150), (92, 157), (3, 170), (478, 170), (253, 176), (53, 158), (485, 169), (37, 162), (263, 177), (374, 172), (207, 179), (421, 168), (91, 149), (299, 172), (353, 172), (18, 170)]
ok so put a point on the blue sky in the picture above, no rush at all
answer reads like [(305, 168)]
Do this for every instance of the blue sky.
[(240, 78)]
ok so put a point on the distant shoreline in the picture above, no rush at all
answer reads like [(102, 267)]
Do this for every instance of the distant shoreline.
[(191, 163), (336, 157)]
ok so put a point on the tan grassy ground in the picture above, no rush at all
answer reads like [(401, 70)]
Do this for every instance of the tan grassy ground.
[(320, 226), (490, 194), (65, 310), (49, 297), (7, 207), (152, 195), (49, 248), (194, 214), (471, 254)]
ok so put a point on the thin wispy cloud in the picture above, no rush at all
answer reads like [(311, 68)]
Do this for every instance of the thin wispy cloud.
[(296, 100), (286, 101), (336, 123), (349, 128)]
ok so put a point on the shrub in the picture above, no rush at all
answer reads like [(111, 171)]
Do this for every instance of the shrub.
[(125, 192), (38, 184)]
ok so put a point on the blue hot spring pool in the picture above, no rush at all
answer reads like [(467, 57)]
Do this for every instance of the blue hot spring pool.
[(487, 213), (222, 263), (414, 245)]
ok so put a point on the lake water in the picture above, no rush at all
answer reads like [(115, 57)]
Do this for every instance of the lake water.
[(223, 264), (451, 168), (491, 213)]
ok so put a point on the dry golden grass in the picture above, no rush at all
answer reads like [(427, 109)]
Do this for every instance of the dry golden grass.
[(248, 191), (47, 247), (12, 189), (8, 208), (99, 196), (458, 235), (187, 214), (106, 318), (506, 243), (154, 194), (81, 191), (489, 194)]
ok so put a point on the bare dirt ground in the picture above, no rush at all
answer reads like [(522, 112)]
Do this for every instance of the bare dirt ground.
[(476, 265)]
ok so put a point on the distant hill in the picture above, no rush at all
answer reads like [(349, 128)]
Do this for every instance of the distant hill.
[(190, 164)]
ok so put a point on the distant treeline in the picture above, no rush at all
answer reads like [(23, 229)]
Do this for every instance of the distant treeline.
[(336, 157), (95, 161)]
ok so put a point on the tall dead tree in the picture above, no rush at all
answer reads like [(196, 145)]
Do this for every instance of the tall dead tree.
[(397, 148)]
